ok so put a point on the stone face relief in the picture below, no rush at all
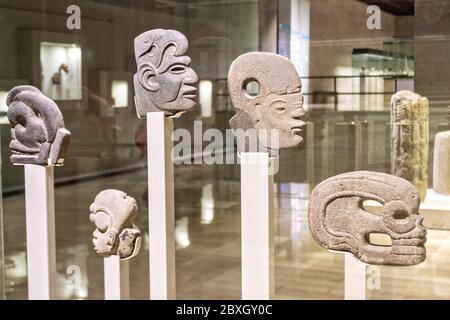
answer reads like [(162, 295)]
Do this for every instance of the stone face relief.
[(410, 138), (164, 80), (338, 220), (113, 213), (38, 135), (276, 105), (441, 164)]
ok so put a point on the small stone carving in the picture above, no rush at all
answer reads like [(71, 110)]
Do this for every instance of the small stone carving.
[(410, 138), (338, 220), (38, 135), (164, 80), (56, 78), (276, 102), (113, 213), (441, 164)]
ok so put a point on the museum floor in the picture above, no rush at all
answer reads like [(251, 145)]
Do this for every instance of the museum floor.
[(208, 245)]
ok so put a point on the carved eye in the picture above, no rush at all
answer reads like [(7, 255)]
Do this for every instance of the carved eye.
[(280, 109), (400, 215), (251, 87), (178, 68)]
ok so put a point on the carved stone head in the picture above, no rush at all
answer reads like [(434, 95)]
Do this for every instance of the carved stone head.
[(338, 220), (164, 80), (113, 213), (278, 104), (38, 135)]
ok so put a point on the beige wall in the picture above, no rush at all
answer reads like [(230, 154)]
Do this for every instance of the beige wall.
[(432, 50), (337, 27)]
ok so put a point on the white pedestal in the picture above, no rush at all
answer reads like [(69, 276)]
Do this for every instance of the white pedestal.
[(40, 222), (257, 226), (161, 213), (116, 273), (355, 278)]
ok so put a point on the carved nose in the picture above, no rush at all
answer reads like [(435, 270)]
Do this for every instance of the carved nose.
[(419, 221), (297, 113), (191, 77)]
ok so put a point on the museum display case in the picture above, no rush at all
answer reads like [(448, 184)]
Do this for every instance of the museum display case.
[(132, 114)]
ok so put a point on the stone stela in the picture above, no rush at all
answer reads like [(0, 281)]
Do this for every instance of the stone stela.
[(410, 138)]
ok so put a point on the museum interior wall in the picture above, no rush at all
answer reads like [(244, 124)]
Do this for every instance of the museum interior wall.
[(107, 136)]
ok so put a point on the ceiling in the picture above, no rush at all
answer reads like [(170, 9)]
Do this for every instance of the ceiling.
[(396, 7)]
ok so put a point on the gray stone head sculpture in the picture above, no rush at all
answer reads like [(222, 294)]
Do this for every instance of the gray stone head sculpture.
[(278, 104), (38, 135), (164, 80), (113, 213), (338, 220)]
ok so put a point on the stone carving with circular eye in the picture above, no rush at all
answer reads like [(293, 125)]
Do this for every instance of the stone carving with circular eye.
[(38, 135), (113, 213), (266, 93), (164, 80), (338, 220)]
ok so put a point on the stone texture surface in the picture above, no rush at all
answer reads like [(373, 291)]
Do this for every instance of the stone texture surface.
[(441, 163), (410, 138), (164, 80), (38, 135), (338, 220), (277, 106), (113, 213)]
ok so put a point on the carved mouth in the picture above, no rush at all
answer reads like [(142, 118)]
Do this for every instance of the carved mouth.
[(298, 128), (412, 247), (190, 92), (418, 241)]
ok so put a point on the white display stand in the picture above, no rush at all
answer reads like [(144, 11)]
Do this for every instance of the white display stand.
[(257, 226), (355, 275), (434, 198), (161, 213), (40, 223), (355, 278), (116, 273)]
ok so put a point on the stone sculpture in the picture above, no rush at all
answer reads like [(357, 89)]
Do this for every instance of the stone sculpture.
[(441, 163), (113, 213), (410, 138), (56, 78), (38, 135), (276, 105), (338, 220), (164, 80)]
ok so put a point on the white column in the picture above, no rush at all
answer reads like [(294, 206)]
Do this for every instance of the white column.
[(161, 213), (257, 227), (355, 278), (40, 222), (300, 39), (116, 274)]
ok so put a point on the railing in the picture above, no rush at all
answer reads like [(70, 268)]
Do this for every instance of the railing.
[(335, 93), (335, 81)]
